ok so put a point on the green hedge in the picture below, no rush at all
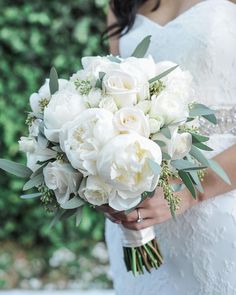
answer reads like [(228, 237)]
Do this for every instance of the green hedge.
[(34, 35)]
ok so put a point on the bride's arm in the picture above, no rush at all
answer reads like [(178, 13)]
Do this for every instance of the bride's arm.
[(214, 185)]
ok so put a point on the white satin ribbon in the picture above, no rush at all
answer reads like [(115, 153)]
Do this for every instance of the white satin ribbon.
[(137, 238)]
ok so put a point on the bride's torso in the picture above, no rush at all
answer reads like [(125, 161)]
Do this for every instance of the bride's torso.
[(203, 41)]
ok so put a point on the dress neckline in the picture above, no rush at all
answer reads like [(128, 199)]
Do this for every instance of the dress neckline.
[(187, 11)]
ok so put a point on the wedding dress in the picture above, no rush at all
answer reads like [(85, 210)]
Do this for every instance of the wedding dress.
[(199, 248)]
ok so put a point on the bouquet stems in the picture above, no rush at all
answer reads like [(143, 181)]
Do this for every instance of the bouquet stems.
[(147, 256)]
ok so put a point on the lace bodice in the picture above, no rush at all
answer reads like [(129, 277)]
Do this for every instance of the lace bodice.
[(200, 247)]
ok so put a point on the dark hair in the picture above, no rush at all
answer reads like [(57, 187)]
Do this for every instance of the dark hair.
[(125, 11)]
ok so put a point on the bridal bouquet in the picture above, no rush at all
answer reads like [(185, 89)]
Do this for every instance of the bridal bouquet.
[(111, 134)]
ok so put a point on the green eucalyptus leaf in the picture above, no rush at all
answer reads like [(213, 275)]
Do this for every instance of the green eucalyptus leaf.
[(166, 156), (15, 168), (202, 146), (78, 216), (211, 118), (162, 75), (58, 215), (198, 109), (68, 213), (34, 182), (188, 182), (198, 137), (160, 143), (195, 178), (142, 47), (114, 58), (166, 132), (185, 165), (219, 171), (198, 155), (99, 80), (38, 171), (30, 196), (156, 168), (53, 81), (73, 203)]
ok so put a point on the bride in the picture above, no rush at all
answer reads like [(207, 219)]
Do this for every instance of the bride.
[(199, 248)]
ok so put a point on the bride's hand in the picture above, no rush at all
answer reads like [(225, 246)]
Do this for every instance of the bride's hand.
[(153, 210)]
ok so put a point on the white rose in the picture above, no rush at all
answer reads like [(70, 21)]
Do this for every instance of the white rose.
[(34, 152), (62, 179), (182, 145), (178, 146), (44, 94), (142, 69), (108, 103), (122, 87), (82, 138), (131, 119), (63, 107), (168, 107), (123, 164), (95, 191)]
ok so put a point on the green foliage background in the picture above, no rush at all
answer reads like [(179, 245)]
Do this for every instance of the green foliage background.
[(34, 35)]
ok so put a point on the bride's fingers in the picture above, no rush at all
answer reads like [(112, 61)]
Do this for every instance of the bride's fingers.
[(106, 209), (132, 216), (112, 219)]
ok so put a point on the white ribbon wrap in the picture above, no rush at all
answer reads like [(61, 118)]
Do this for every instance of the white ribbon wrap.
[(137, 238)]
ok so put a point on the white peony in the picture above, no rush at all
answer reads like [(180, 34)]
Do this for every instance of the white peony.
[(178, 82), (123, 164), (62, 179), (34, 152), (131, 120), (63, 107), (95, 191), (82, 138), (44, 95), (122, 87)]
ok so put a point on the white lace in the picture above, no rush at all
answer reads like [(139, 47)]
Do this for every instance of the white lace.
[(200, 247)]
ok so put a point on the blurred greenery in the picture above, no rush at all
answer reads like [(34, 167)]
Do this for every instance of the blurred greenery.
[(34, 35)]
